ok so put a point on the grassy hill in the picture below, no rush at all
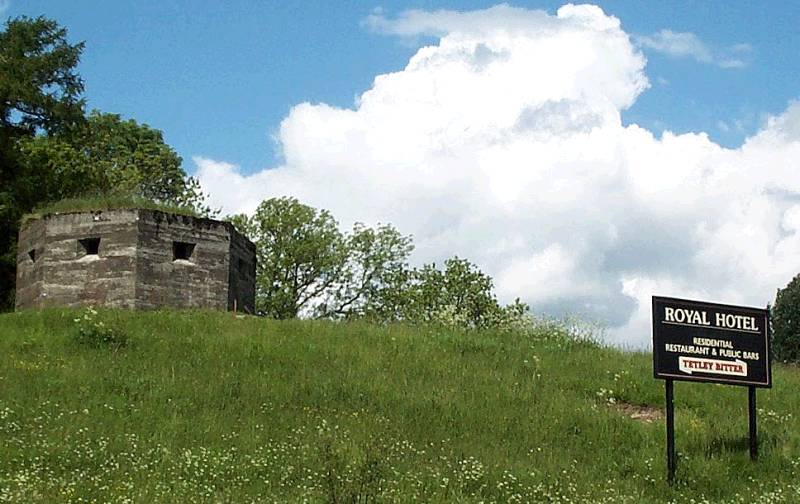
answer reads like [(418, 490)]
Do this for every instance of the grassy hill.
[(207, 407)]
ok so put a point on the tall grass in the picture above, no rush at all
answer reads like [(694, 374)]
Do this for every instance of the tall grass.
[(208, 407)]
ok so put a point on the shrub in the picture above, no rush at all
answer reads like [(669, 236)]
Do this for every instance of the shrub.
[(94, 332), (785, 317)]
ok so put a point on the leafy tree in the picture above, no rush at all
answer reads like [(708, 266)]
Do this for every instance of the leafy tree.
[(376, 259), (106, 155), (786, 323), (39, 91), (307, 267), (300, 255), (460, 295)]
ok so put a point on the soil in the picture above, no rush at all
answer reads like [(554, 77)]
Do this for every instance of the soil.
[(639, 412)]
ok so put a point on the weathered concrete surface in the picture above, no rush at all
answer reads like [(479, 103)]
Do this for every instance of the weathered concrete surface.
[(136, 264), (30, 275), (242, 277), (201, 280)]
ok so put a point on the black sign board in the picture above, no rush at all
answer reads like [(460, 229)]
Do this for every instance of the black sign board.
[(707, 342)]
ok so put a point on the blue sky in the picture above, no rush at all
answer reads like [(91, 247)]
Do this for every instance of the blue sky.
[(218, 77)]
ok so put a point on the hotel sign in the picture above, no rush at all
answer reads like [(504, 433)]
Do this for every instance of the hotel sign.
[(706, 342)]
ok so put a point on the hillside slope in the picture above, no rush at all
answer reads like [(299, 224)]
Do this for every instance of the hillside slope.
[(207, 407)]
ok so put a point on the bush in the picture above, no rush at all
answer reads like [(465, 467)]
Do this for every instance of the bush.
[(785, 317), (93, 332)]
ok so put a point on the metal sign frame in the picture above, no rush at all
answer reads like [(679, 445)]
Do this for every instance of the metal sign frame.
[(701, 323), (762, 344)]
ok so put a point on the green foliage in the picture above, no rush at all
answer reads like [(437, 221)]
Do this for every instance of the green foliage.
[(460, 295), (375, 258), (305, 410), (300, 255), (786, 323), (307, 267), (39, 88), (92, 331), (111, 156)]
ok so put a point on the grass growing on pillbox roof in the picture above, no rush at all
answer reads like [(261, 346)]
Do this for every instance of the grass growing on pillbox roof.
[(208, 407), (105, 202)]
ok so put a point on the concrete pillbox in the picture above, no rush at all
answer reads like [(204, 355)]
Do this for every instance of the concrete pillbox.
[(134, 258)]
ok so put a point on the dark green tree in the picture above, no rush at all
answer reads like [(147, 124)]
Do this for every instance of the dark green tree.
[(40, 91), (39, 87), (786, 323)]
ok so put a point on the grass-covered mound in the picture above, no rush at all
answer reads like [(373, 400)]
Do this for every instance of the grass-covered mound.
[(105, 202), (207, 407)]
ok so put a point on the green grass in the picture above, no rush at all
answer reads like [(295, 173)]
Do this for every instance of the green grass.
[(104, 202), (207, 407)]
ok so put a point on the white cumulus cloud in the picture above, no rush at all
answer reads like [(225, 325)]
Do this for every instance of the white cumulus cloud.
[(503, 143)]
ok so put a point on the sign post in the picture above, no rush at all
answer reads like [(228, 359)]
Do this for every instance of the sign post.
[(713, 343), (670, 433), (751, 408)]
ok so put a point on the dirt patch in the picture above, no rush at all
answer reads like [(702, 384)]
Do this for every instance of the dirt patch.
[(641, 413)]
